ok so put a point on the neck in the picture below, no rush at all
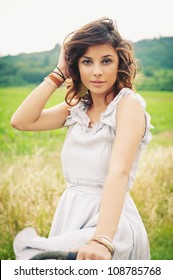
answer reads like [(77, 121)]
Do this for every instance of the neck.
[(100, 102)]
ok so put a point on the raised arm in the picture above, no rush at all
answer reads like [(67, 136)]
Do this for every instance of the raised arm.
[(130, 129), (31, 115)]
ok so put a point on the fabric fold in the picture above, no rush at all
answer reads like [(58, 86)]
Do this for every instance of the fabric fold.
[(78, 114)]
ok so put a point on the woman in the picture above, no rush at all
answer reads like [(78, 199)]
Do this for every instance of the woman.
[(107, 128)]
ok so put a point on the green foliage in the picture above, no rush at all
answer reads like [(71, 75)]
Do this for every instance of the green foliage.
[(155, 57), (156, 79), (155, 53), (156, 61), (25, 69)]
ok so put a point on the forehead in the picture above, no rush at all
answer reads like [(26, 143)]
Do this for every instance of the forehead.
[(100, 50)]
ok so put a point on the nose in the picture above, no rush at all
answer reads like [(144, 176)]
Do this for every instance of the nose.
[(97, 71)]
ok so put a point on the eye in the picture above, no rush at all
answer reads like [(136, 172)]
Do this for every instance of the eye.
[(107, 61), (86, 61)]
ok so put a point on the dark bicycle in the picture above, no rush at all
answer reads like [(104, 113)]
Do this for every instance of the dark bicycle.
[(55, 255)]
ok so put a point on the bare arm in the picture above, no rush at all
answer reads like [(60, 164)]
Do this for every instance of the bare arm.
[(130, 129), (31, 114)]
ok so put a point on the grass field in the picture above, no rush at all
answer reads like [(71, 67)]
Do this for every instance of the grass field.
[(29, 188)]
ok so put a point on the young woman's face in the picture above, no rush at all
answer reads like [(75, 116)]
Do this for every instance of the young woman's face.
[(98, 68)]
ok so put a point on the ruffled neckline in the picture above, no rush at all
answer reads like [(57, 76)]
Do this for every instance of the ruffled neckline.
[(79, 112)]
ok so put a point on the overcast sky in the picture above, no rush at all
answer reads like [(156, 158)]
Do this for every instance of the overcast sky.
[(37, 25)]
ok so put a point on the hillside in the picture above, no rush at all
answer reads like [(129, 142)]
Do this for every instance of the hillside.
[(156, 59), (155, 56), (27, 68), (157, 53)]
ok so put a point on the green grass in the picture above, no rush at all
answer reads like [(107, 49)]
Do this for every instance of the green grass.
[(23, 171), (162, 242), (19, 141), (160, 106)]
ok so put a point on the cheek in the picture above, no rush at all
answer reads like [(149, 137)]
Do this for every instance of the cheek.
[(81, 70), (84, 74), (112, 74)]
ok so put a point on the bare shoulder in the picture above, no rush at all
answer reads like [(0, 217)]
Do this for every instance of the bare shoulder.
[(130, 127), (130, 102), (130, 114)]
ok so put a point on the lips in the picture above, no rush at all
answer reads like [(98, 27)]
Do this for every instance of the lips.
[(97, 82)]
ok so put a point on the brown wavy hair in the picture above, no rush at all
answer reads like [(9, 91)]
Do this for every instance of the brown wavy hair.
[(101, 31)]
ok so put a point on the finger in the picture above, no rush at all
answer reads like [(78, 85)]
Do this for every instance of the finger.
[(80, 256)]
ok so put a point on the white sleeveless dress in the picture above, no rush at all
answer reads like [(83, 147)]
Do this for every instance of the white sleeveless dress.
[(85, 157)]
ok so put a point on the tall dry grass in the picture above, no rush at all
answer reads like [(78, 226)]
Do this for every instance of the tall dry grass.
[(153, 187), (153, 194), (31, 185), (29, 190)]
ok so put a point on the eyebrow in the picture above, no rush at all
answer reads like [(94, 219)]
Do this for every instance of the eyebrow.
[(107, 55)]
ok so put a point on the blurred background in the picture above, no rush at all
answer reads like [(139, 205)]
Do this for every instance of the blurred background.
[(31, 179)]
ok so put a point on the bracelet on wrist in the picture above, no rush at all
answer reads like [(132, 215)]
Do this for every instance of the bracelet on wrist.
[(49, 82), (105, 241), (51, 78), (61, 74)]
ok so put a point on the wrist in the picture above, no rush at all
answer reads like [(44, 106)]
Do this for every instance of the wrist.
[(54, 79), (61, 71), (57, 76), (105, 241)]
